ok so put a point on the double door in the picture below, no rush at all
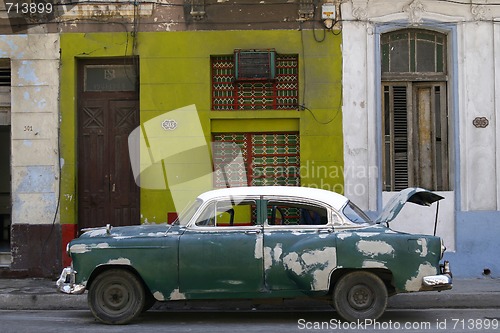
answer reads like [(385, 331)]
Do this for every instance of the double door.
[(108, 111)]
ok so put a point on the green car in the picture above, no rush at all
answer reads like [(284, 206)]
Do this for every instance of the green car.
[(255, 243)]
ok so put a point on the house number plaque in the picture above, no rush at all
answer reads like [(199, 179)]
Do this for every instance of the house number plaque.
[(480, 122), (169, 125)]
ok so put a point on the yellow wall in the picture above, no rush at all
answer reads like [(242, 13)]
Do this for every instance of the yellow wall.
[(175, 73)]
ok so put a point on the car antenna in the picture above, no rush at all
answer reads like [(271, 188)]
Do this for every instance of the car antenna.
[(436, 220)]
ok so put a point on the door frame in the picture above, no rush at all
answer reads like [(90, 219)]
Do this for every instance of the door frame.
[(109, 97)]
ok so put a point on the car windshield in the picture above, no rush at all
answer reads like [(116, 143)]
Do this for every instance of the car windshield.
[(355, 214), (186, 215)]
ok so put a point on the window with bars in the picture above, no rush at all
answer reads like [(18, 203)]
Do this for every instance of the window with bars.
[(268, 159), (415, 118), (5, 87), (414, 110), (280, 93)]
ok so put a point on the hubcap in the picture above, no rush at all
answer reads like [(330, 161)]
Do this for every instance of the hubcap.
[(360, 297), (115, 297)]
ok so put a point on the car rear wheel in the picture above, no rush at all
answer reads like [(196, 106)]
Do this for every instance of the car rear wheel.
[(116, 296), (360, 295)]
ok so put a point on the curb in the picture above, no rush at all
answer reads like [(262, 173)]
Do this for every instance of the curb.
[(56, 301), (481, 300)]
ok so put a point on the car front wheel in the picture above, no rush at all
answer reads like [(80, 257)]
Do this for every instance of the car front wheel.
[(116, 296), (360, 295)]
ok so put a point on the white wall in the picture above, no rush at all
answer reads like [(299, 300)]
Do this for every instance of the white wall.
[(34, 125), (474, 84)]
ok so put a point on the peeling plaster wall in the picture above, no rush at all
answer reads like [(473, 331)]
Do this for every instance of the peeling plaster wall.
[(474, 84), (34, 158)]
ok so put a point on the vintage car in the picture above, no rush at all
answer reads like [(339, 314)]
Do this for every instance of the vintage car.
[(258, 243)]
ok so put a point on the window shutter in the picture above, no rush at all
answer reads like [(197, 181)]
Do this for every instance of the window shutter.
[(400, 134)]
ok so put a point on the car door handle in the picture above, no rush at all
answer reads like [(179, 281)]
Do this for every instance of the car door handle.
[(325, 231), (252, 232)]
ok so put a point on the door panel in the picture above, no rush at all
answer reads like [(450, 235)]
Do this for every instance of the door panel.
[(93, 186), (107, 192), (299, 252), (221, 260), (222, 252), (124, 193)]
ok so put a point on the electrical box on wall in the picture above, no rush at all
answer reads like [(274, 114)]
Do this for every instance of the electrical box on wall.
[(328, 11)]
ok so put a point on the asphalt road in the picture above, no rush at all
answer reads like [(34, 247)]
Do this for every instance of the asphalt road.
[(434, 320)]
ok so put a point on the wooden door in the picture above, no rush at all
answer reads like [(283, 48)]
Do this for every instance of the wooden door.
[(107, 112)]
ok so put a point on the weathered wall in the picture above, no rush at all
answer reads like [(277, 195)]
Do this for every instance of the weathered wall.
[(35, 153), (175, 72), (468, 210)]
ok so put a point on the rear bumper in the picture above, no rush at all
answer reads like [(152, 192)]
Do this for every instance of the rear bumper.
[(66, 282), (443, 281)]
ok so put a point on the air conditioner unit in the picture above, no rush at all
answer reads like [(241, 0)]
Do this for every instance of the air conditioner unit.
[(253, 65)]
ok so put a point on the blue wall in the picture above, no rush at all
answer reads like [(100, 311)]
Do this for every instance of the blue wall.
[(477, 244)]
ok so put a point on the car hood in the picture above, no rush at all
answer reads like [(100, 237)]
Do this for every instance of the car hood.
[(415, 195), (145, 230)]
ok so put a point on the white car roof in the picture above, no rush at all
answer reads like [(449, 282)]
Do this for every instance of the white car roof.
[(335, 200)]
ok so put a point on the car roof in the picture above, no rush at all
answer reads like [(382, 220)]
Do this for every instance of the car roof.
[(335, 200)]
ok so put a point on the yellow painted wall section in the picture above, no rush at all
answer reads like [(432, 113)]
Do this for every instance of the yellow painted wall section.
[(175, 73)]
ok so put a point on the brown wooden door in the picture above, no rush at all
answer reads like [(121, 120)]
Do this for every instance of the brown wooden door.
[(107, 192)]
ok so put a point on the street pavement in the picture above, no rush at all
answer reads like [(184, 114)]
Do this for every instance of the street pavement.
[(41, 294)]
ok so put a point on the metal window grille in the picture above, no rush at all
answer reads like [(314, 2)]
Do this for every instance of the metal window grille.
[(269, 159), (278, 94), (5, 91), (415, 123)]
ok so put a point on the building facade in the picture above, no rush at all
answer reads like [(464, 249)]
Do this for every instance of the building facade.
[(361, 97), (30, 172), (420, 81)]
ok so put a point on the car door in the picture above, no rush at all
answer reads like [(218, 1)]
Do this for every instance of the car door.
[(299, 245), (221, 252)]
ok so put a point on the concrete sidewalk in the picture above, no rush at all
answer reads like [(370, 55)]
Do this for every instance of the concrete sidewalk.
[(41, 294)]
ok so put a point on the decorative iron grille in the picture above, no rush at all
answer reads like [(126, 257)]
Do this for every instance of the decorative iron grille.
[(278, 94), (268, 159)]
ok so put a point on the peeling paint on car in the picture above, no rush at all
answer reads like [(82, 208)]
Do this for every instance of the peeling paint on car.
[(291, 262), (423, 243), (233, 282), (344, 235), (96, 232), (374, 248), (158, 296), (318, 262), (369, 234), (258, 247), (328, 258), (119, 261), (153, 234), (415, 283), (78, 248), (272, 256), (373, 264), (176, 295)]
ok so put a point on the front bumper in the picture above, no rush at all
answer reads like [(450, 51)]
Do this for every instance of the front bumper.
[(66, 282), (439, 282)]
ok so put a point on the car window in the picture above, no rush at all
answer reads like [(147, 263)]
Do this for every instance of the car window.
[(186, 215), (355, 214), (289, 213), (227, 213)]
